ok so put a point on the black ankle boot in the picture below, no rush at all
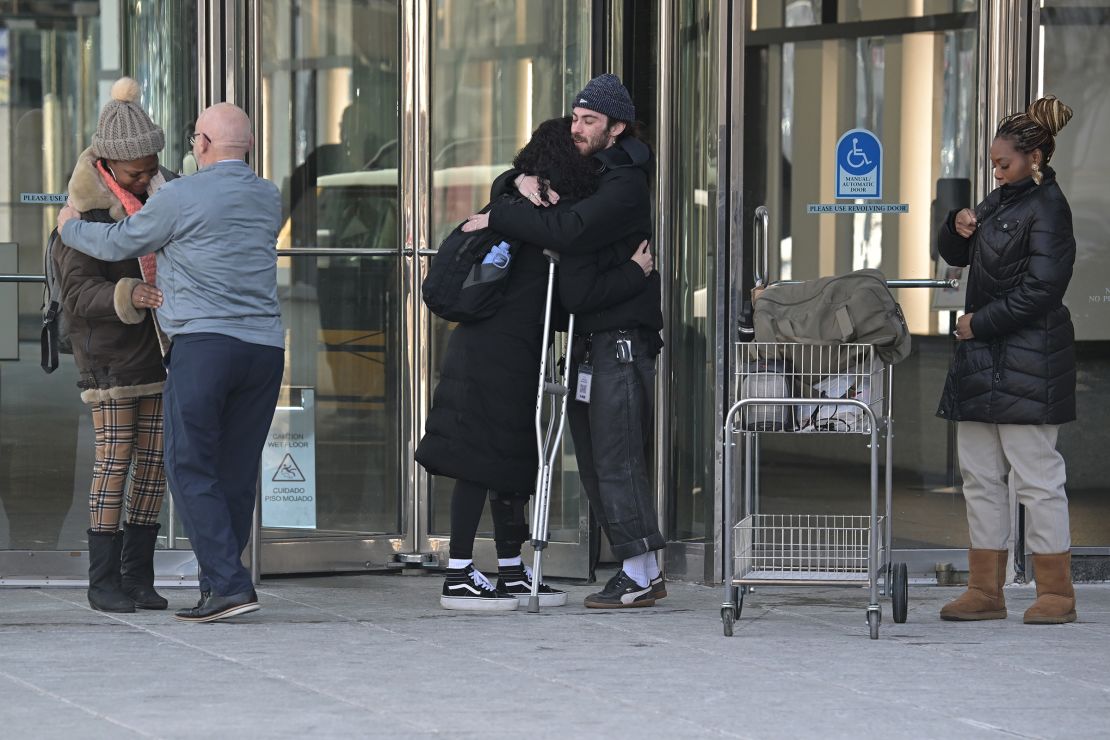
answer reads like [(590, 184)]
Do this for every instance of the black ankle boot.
[(137, 565), (105, 593)]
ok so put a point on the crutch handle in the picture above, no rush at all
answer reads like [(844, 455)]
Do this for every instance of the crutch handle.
[(552, 255)]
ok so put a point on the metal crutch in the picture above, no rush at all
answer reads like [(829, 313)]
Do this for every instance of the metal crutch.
[(547, 439)]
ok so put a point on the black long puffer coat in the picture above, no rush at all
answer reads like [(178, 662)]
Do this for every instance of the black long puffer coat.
[(1020, 367), (481, 427)]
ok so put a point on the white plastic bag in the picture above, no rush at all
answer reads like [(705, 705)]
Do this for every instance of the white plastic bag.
[(839, 417)]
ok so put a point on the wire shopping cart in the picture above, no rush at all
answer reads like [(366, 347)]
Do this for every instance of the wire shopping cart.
[(788, 388)]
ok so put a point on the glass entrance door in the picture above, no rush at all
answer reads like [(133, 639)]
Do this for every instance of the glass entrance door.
[(812, 73), (1071, 48), (332, 486), (57, 63), (491, 84), (384, 125)]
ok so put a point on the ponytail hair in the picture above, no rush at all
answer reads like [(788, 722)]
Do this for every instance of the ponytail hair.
[(1037, 127)]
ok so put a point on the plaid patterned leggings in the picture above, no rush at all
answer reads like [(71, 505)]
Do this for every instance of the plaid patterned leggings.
[(128, 440)]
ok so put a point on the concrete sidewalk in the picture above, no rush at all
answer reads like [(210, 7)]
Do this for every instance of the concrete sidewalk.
[(375, 656)]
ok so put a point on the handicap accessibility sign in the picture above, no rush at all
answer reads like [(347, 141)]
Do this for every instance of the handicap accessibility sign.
[(859, 165)]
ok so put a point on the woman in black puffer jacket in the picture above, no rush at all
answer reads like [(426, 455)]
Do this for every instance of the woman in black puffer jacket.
[(1012, 381)]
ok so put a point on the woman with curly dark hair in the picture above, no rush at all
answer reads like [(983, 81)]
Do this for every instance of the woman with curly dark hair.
[(480, 429)]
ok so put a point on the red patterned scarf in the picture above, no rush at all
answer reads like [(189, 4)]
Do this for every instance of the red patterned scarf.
[(148, 263)]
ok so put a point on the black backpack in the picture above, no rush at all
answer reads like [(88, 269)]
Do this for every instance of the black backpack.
[(55, 323), (459, 286)]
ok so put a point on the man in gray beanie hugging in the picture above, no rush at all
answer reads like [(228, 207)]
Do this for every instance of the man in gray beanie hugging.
[(616, 342)]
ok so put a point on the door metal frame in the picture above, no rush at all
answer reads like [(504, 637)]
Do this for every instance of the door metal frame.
[(416, 178), (703, 561)]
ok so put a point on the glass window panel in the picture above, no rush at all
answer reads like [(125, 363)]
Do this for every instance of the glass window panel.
[(829, 87), (765, 14), (55, 70), (161, 63), (1074, 54), (693, 273), (330, 101), (874, 10), (499, 68)]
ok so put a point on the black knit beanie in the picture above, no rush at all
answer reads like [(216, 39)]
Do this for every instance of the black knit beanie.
[(605, 94)]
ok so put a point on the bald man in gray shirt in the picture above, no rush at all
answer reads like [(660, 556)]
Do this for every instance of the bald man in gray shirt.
[(215, 235)]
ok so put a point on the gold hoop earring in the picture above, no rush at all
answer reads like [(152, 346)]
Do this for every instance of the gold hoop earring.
[(1037, 176)]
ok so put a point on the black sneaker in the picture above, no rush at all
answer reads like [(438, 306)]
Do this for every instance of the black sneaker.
[(621, 592), (213, 608), (517, 580), (658, 587), (467, 589)]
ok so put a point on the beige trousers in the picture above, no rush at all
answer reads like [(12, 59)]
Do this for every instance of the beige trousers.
[(989, 454)]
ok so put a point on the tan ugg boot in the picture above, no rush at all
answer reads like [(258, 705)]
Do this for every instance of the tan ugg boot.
[(983, 598), (1055, 602)]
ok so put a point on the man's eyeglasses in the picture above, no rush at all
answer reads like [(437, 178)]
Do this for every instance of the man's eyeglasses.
[(193, 138)]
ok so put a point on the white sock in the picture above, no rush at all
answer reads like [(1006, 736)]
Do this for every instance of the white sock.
[(652, 566), (509, 562), (459, 563), (636, 568)]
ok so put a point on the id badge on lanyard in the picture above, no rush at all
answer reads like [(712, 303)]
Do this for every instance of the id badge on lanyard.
[(585, 377)]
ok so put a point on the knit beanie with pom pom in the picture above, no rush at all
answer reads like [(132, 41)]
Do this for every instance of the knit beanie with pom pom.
[(124, 131)]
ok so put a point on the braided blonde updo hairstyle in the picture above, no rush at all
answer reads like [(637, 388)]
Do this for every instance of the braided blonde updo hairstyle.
[(1037, 127)]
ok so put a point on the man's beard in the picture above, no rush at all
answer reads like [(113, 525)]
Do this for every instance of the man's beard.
[(593, 146)]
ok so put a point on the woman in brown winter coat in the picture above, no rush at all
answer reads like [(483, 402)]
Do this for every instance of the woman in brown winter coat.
[(116, 348)]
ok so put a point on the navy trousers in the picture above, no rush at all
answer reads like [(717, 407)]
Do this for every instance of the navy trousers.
[(218, 403)]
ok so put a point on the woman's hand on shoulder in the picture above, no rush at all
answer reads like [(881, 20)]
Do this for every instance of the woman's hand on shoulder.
[(477, 222), (529, 187), (966, 223)]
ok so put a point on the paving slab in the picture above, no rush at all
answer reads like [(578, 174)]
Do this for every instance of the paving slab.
[(374, 656)]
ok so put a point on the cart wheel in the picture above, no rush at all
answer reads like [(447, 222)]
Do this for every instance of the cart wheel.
[(873, 619), (727, 619), (900, 592)]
